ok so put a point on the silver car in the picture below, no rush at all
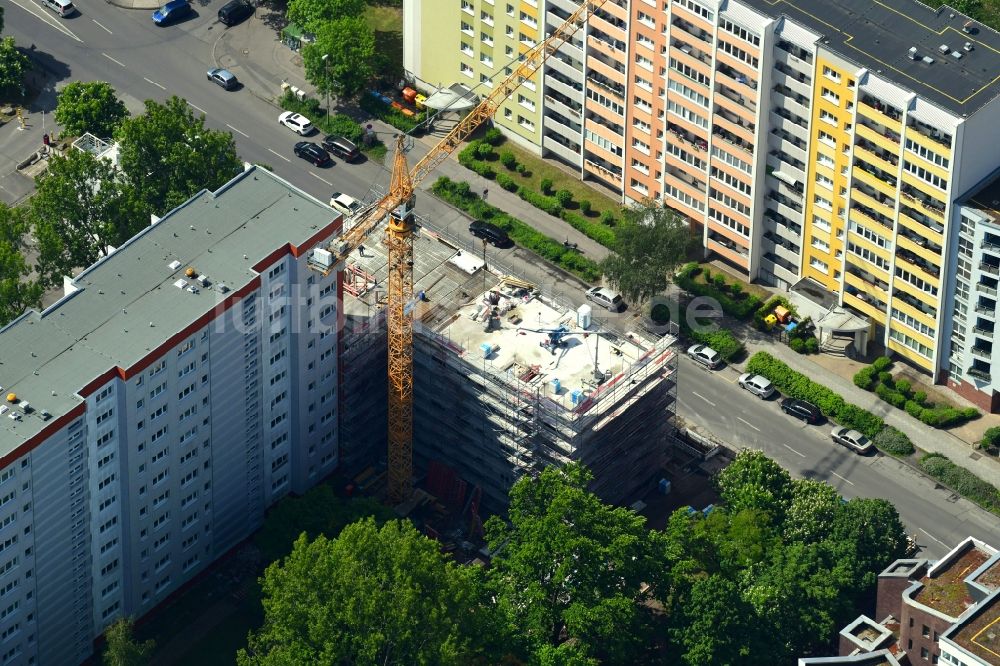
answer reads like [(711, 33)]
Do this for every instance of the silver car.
[(759, 385), (707, 356), (852, 439)]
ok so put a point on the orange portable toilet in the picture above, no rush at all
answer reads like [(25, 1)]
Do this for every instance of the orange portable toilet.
[(782, 314), (409, 94)]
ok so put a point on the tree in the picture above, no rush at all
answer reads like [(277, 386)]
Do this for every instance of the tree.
[(168, 155), (811, 511), (17, 293), (571, 567), (311, 15), (714, 624), (866, 536), (123, 649), (349, 44), (652, 241), (371, 596), (754, 481), (13, 65), (81, 209), (89, 107)]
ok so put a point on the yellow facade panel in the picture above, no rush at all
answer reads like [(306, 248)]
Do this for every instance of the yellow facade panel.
[(919, 294), (874, 114), (913, 356), (921, 229), (929, 143), (921, 251), (924, 187), (927, 277), (875, 314), (875, 160), (873, 203), (875, 182), (916, 313)]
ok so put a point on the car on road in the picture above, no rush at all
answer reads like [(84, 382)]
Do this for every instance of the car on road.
[(606, 298), (60, 7), (852, 439), (759, 385), (345, 203), (234, 11), (296, 122), (174, 10), (801, 409), (223, 77), (707, 356), (312, 152), (342, 148), (490, 233)]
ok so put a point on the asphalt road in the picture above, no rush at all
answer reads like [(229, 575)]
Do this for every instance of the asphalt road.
[(142, 62)]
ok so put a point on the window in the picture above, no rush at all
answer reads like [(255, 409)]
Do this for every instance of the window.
[(823, 203), (928, 155), (924, 329), (738, 31), (828, 117), (820, 245), (644, 62), (738, 227), (185, 348), (729, 202), (828, 139), (868, 256), (606, 102), (465, 69), (831, 96), (692, 74), (645, 19), (738, 53), (678, 151), (824, 181), (821, 266), (467, 29), (870, 235), (687, 114), (730, 160), (925, 175), (912, 279), (690, 93), (696, 8), (831, 74)]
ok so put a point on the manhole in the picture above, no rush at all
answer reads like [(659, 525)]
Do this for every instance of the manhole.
[(246, 52), (975, 456)]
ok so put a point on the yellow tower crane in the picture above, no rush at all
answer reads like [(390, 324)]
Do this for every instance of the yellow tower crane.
[(397, 205)]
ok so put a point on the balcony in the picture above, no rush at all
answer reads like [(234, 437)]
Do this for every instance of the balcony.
[(562, 103), (788, 202), (786, 136), (606, 84), (933, 133), (880, 106), (920, 241), (920, 263), (991, 242), (993, 269), (870, 215), (982, 352), (867, 278), (562, 147), (987, 306), (979, 373), (686, 178), (734, 75), (914, 302), (782, 221), (876, 155), (687, 137), (883, 203), (738, 124), (607, 41), (691, 51), (734, 96), (877, 130), (795, 51), (606, 171), (921, 219), (984, 288), (789, 78), (729, 137), (692, 29), (985, 328)]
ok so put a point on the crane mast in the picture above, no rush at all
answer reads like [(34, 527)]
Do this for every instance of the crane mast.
[(397, 205)]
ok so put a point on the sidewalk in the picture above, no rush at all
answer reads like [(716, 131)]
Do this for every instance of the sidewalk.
[(137, 4)]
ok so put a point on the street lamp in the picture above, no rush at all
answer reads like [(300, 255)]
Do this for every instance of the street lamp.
[(326, 81)]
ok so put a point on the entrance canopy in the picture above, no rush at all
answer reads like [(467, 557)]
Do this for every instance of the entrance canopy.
[(812, 300), (456, 98)]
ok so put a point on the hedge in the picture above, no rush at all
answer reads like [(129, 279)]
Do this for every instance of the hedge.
[(721, 340), (796, 385), (894, 442), (460, 195), (990, 438), (741, 308), (877, 378), (384, 112), (962, 481)]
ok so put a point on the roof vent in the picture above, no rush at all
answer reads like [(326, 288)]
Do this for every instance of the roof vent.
[(967, 28), (222, 288), (957, 55), (180, 284), (929, 60), (193, 289), (944, 48), (45, 415), (190, 272), (913, 53), (174, 265), (26, 407), (203, 280), (968, 47)]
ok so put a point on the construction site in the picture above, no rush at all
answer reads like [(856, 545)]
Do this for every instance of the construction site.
[(507, 381)]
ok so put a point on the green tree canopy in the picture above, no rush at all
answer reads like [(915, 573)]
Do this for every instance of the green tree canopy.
[(313, 14), (349, 44), (122, 648), (714, 624), (89, 107), (82, 208), (372, 596), (652, 241), (754, 481), (13, 65), (169, 155), (17, 291), (811, 510)]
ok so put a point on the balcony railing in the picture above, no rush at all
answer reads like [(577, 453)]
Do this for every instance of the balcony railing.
[(882, 107), (983, 331), (989, 268), (986, 289), (979, 373), (986, 310), (982, 353)]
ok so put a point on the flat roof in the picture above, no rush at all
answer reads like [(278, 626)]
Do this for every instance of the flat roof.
[(878, 36), (980, 632), (986, 197), (946, 591), (128, 305)]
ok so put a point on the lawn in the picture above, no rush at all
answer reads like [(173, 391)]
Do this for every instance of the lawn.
[(986, 11), (385, 19), (748, 288), (387, 22)]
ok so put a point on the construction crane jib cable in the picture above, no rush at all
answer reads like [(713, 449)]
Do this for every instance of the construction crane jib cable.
[(397, 206)]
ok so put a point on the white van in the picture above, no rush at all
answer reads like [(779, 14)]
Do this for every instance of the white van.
[(61, 7), (345, 203)]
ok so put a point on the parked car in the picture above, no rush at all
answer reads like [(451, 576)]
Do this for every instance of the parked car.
[(759, 385), (223, 77), (234, 11), (707, 356), (296, 122), (606, 298), (60, 7), (345, 203), (342, 148), (852, 439), (490, 233), (311, 152), (174, 10), (801, 409)]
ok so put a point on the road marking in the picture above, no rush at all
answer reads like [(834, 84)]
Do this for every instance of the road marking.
[(154, 83), (237, 131), (198, 109), (102, 26), (112, 59), (46, 17), (699, 395), (933, 537), (748, 423), (801, 455), (323, 179), (279, 155), (842, 478)]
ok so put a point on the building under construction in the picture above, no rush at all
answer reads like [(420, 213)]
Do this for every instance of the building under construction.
[(506, 380)]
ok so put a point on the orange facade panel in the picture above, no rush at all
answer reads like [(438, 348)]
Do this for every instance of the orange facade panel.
[(737, 64), (606, 133), (604, 112), (741, 260), (690, 61), (606, 70), (723, 230), (602, 152), (683, 186)]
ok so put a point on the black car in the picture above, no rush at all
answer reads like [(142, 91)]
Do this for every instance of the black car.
[(489, 232), (342, 148), (235, 11), (801, 409), (311, 152)]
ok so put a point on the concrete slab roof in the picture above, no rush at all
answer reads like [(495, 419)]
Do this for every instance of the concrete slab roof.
[(878, 36), (127, 305)]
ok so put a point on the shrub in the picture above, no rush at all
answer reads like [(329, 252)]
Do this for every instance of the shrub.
[(493, 136), (741, 308), (903, 386), (920, 397), (602, 235), (890, 395), (812, 346), (344, 126), (885, 378), (970, 413), (585, 207), (798, 345), (991, 437), (540, 201), (881, 363), (546, 185), (522, 169), (484, 150), (720, 280), (564, 197), (394, 117), (736, 289), (608, 218), (863, 377), (506, 182), (508, 160), (962, 481), (721, 340), (893, 441), (913, 408)]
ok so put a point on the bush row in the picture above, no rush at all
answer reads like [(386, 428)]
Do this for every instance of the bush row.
[(721, 340), (796, 385), (733, 301), (900, 394), (384, 112), (894, 442), (962, 481), (460, 195)]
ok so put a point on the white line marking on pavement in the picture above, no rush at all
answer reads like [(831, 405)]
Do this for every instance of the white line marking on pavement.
[(279, 155), (748, 423), (154, 83), (842, 478), (102, 26), (198, 109), (46, 17), (933, 537), (323, 179), (801, 455), (699, 395), (111, 59), (237, 131)]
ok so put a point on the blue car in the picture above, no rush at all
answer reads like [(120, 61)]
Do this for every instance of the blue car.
[(172, 11)]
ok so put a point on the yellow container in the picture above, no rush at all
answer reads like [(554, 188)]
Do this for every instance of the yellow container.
[(419, 101)]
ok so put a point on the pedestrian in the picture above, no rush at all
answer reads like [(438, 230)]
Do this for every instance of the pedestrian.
[(361, 250), (486, 193)]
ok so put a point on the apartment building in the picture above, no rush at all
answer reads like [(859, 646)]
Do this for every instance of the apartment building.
[(181, 386), (941, 612), (813, 140)]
